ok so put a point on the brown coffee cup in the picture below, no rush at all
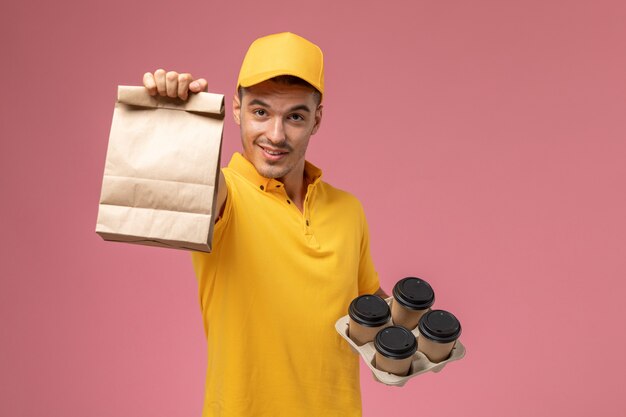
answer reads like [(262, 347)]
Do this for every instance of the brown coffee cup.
[(395, 347), (438, 332), (412, 298), (368, 314)]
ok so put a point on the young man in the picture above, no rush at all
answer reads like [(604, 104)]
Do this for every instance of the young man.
[(290, 251)]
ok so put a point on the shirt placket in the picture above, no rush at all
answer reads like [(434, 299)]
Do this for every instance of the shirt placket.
[(306, 210), (278, 190)]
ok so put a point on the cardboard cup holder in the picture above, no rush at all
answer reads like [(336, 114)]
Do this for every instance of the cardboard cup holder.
[(419, 365)]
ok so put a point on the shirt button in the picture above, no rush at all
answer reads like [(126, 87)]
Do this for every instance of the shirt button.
[(288, 202), (262, 188), (307, 222)]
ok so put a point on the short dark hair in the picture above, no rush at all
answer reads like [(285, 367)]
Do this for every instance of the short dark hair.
[(288, 80)]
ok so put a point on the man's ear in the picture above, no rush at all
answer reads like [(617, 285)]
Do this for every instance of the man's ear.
[(318, 118), (237, 108)]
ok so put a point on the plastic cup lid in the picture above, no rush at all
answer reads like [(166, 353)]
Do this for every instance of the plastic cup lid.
[(440, 326), (369, 310), (395, 342), (414, 293)]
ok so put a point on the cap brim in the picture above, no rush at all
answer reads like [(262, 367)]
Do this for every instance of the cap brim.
[(259, 78)]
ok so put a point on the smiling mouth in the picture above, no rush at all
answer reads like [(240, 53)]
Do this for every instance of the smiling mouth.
[(272, 152)]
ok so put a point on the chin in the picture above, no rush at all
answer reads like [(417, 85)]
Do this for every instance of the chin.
[(270, 171)]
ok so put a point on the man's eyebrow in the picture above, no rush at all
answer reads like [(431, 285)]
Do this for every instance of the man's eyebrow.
[(258, 102), (300, 107)]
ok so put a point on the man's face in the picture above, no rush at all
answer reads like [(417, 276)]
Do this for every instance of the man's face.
[(276, 122)]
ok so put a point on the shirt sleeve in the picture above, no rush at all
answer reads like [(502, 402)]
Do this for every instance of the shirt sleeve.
[(368, 277)]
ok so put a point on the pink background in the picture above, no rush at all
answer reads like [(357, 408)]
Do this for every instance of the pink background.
[(486, 140)]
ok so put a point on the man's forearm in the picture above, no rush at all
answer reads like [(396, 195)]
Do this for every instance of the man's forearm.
[(380, 292)]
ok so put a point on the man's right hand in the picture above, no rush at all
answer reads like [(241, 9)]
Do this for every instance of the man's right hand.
[(172, 84)]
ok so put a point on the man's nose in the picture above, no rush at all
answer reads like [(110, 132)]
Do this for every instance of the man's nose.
[(276, 130)]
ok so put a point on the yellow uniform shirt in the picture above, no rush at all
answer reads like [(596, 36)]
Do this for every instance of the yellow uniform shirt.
[(271, 291)]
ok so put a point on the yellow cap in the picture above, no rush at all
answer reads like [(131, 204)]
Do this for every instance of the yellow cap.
[(282, 54)]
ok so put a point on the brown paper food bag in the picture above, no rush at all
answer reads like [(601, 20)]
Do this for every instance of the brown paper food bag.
[(161, 172)]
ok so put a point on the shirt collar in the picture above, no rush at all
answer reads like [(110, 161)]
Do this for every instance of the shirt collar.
[(241, 165)]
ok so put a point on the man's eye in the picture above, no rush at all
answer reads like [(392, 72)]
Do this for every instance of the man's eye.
[(260, 112), (296, 117)]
